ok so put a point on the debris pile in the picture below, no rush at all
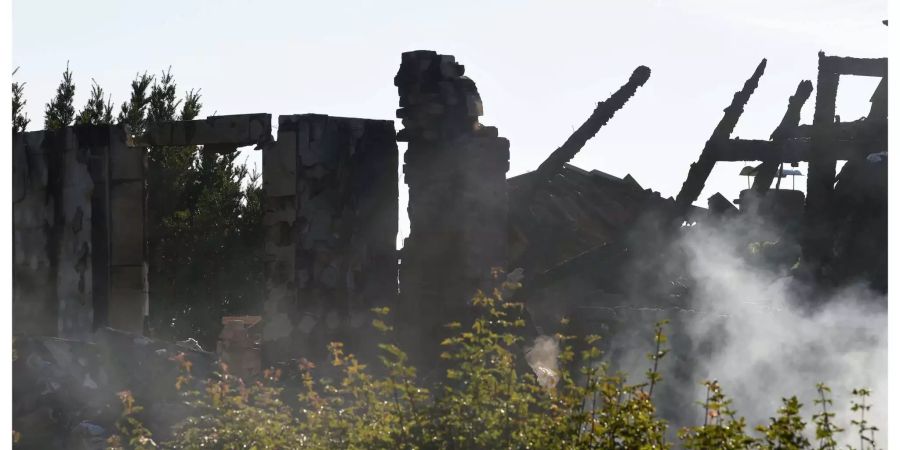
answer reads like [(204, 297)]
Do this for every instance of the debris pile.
[(66, 391)]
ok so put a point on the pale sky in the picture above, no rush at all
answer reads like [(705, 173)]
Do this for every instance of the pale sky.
[(540, 67)]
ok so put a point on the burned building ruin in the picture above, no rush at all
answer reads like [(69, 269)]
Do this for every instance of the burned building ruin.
[(588, 242), (331, 205), (826, 212)]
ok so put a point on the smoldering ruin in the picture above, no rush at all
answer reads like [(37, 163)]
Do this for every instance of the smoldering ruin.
[(775, 268)]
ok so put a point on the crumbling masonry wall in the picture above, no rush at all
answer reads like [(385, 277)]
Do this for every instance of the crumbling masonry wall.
[(331, 221), (456, 171), (78, 217)]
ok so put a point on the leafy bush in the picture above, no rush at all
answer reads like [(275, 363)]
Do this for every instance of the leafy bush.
[(485, 401)]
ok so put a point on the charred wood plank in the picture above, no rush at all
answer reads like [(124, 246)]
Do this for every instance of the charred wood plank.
[(787, 151), (600, 117), (865, 67), (821, 175), (700, 170), (769, 168), (838, 130)]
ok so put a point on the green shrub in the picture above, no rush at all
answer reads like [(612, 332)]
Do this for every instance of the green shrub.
[(485, 401)]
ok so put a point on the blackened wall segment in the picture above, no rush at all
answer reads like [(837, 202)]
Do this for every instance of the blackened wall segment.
[(456, 172), (331, 218)]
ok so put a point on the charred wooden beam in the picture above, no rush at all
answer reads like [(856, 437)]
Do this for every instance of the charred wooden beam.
[(866, 67), (821, 174), (701, 169), (788, 151), (838, 130), (600, 117), (821, 164), (769, 168)]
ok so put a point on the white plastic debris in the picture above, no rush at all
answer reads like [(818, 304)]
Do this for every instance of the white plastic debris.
[(190, 344), (543, 358)]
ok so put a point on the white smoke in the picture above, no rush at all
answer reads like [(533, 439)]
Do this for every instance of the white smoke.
[(766, 337)]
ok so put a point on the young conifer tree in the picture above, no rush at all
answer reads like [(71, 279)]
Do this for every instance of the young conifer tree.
[(97, 111), (60, 111), (20, 119), (133, 112)]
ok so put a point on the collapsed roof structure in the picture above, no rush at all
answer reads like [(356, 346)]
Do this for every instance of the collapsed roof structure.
[(581, 229)]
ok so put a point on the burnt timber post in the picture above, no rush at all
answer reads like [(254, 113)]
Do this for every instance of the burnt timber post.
[(817, 245)]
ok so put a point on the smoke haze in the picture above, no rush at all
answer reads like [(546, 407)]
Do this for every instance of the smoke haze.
[(761, 333), (767, 336)]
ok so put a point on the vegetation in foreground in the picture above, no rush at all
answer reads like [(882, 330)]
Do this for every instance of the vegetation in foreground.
[(483, 402)]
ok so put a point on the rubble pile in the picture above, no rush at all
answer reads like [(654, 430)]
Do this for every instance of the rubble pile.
[(65, 392)]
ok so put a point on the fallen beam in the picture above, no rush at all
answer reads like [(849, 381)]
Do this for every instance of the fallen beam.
[(700, 170), (600, 117)]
